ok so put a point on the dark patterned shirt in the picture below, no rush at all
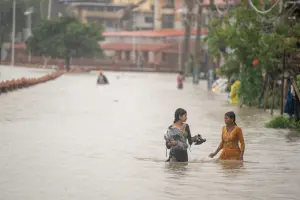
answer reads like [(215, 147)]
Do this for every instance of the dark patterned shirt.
[(174, 134)]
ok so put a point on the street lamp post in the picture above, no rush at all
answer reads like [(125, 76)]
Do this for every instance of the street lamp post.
[(29, 22), (49, 9), (13, 34)]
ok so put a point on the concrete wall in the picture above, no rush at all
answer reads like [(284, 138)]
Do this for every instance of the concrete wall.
[(178, 17), (140, 20), (159, 11)]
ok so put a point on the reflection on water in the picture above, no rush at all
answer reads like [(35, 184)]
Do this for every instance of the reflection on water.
[(293, 136), (71, 139), (177, 169), (231, 165)]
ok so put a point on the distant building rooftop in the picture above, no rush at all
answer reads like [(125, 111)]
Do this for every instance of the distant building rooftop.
[(153, 33), (207, 2)]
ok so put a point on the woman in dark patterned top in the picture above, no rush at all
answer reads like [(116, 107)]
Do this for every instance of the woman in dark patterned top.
[(177, 136)]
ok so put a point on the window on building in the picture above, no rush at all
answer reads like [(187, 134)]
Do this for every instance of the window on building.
[(109, 23), (148, 19), (168, 21), (96, 20), (171, 3), (164, 57), (110, 9), (205, 20), (152, 7)]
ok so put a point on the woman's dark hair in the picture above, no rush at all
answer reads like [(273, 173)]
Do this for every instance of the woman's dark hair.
[(178, 113), (231, 115)]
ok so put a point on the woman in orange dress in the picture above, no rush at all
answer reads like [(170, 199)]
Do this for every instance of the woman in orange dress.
[(231, 136)]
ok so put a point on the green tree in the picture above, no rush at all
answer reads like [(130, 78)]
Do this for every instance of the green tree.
[(6, 17), (6, 14), (65, 38), (251, 36)]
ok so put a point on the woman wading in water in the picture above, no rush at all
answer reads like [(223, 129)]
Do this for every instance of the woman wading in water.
[(177, 135), (231, 136)]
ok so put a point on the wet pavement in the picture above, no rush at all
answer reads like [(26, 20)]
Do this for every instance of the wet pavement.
[(70, 139)]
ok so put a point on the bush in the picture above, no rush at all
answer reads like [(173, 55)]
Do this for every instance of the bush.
[(283, 121)]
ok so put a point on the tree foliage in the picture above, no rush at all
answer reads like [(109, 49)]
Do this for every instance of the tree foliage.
[(64, 38), (250, 36), (6, 16)]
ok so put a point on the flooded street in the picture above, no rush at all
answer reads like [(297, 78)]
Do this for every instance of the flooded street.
[(69, 139), (9, 73)]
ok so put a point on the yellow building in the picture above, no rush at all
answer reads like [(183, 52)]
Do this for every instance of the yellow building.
[(109, 13), (171, 13), (147, 6)]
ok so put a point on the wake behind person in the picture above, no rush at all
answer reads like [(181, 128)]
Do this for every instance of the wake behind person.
[(177, 136)]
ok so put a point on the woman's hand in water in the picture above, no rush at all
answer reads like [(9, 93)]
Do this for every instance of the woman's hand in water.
[(212, 155)]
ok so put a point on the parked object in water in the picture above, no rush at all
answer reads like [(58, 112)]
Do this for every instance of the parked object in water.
[(220, 85)]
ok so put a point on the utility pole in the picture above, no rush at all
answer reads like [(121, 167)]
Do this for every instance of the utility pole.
[(28, 13), (135, 60), (187, 35), (156, 14), (49, 9), (210, 60), (197, 51)]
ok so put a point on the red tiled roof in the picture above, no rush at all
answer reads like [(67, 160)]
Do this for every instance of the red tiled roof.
[(129, 46), (19, 46), (152, 33), (179, 48), (207, 2)]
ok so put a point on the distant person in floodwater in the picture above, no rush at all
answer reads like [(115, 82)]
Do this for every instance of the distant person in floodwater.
[(102, 78), (180, 80), (177, 136), (231, 136), (234, 96)]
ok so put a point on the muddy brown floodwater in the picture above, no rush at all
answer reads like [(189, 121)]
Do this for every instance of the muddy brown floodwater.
[(72, 140)]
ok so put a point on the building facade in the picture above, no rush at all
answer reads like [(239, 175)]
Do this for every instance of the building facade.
[(109, 13), (154, 47), (147, 14), (171, 13)]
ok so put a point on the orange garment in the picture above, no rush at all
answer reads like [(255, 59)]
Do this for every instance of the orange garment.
[(230, 144)]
